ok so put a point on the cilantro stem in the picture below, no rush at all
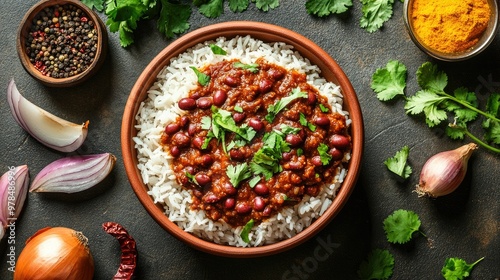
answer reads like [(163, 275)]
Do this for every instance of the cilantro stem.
[(476, 262), (465, 104), (474, 138)]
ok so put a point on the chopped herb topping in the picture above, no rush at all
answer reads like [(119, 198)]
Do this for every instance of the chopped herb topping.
[(238, 173), (274, 109), (323, 154), (217, 50), (238, 109), (246, 230), (323, 108), (252, 67), (303, 121), (203, 79)]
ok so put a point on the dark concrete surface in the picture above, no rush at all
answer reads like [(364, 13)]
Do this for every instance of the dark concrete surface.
[(465, 224)]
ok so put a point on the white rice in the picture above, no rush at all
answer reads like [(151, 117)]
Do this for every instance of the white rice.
[(160, 107)]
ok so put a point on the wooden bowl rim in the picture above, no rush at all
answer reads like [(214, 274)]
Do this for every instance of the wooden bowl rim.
[(267, 33), (100, 54)]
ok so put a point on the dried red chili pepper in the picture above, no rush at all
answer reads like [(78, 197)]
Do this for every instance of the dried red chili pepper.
[(128, 259)]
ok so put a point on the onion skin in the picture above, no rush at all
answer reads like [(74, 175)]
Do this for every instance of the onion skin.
[(48, 129), (17, 178), (74, 173), (55, 253), (444, 172)]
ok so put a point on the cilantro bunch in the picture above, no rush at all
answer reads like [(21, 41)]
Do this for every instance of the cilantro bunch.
[(458, 108), (172, 16)]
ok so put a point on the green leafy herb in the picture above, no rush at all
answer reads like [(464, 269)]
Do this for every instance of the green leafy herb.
[(323, 154), (286, 129), (266, 160), (212, 9), (238, 173), (303, 121), (94, 4), (217, 50), (274, 109), (398, 164), (323, 108), (238, 109), (203, 78), (238, 6), (491, 126), (266, 5), (400, 226), (457, 269), (390, 81), (191, 178), (375, 13), (252, 67), (254, 181), (246, 230), (235, 144), (300, 152), (380, 265), (323, 8)]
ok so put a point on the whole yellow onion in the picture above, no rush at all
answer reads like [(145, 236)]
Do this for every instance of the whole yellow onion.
[(55, 253)]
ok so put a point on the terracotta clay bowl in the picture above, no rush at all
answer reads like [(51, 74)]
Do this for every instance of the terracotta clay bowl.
[(24, 30), (267, 33), (484, 41)]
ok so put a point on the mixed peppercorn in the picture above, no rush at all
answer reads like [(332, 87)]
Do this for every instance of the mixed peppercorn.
[(62, 41)]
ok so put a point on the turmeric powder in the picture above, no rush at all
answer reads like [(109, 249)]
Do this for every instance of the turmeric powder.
[(450, 26)]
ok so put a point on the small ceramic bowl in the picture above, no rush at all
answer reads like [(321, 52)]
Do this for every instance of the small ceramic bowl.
[(485, 40), (267, 33), (25, 28)]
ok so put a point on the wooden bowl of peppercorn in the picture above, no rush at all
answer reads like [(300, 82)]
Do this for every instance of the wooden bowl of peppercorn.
[(131, 147), (61, 43)]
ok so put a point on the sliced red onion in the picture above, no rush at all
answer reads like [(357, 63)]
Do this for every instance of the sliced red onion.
[(13, 190), (45, 127), (74, 173)]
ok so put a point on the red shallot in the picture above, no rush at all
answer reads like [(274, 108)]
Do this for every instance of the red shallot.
[(443, 172), (13, 190)]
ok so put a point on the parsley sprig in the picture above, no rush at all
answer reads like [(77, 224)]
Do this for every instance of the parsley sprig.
[(457, 269), (439, 105)]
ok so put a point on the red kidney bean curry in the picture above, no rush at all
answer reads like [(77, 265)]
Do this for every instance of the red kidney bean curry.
[(255, 138)]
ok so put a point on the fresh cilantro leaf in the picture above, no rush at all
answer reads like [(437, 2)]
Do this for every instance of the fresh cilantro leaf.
[(492, 127), (303, 121), (456, 130), (203, 78), (274, 109), (463, 113), (97, 4), (375, 13), (323, 153), (266, 5), (252, 67), (457, 269), (254, 181), (191, 178), (286, 129), (323, 108), (266, 160), (123, 17), (427, 102), (217, 50), (300, 152), (206, 122), (400, 226), (323, 8), (238, 6), (173, 18), (212, 9), (236, 144), (380, 265), (238, 109), (430, 78), (238, 173), (398, 164), (246, 230), (390, 81)]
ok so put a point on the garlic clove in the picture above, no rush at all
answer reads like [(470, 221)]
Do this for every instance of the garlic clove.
[(74, 173), (50, 130), (13, 191)]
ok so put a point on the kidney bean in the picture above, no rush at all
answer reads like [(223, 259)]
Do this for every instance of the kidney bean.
[(339, 141), (180, 139), (258, 203), (287, 156), (192, 129), (187, 104), (210, 198), (261, 189), (267, 211), (184, 121), (220, 97), (198, 193), (311, 98), (276, 74), (243, 208), (336, 154), (238, 117), (230, 189), (175, 151), (198, 142), (256, 124), (190, 169), (206, 160), (265, 86), (236, 154), (172, 128), (231, 81), (202, 179), (204, 102), (229, 203), (293, 139), (316, 160), (322, 121)]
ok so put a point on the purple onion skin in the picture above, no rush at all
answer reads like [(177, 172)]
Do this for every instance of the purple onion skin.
[(17, 178), (444, 172)]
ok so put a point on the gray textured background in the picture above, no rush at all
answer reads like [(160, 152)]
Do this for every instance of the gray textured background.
[(465, 224)]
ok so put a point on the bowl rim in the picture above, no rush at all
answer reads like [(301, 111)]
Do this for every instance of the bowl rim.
[(256, 30), (485, 40), (101, 52)]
